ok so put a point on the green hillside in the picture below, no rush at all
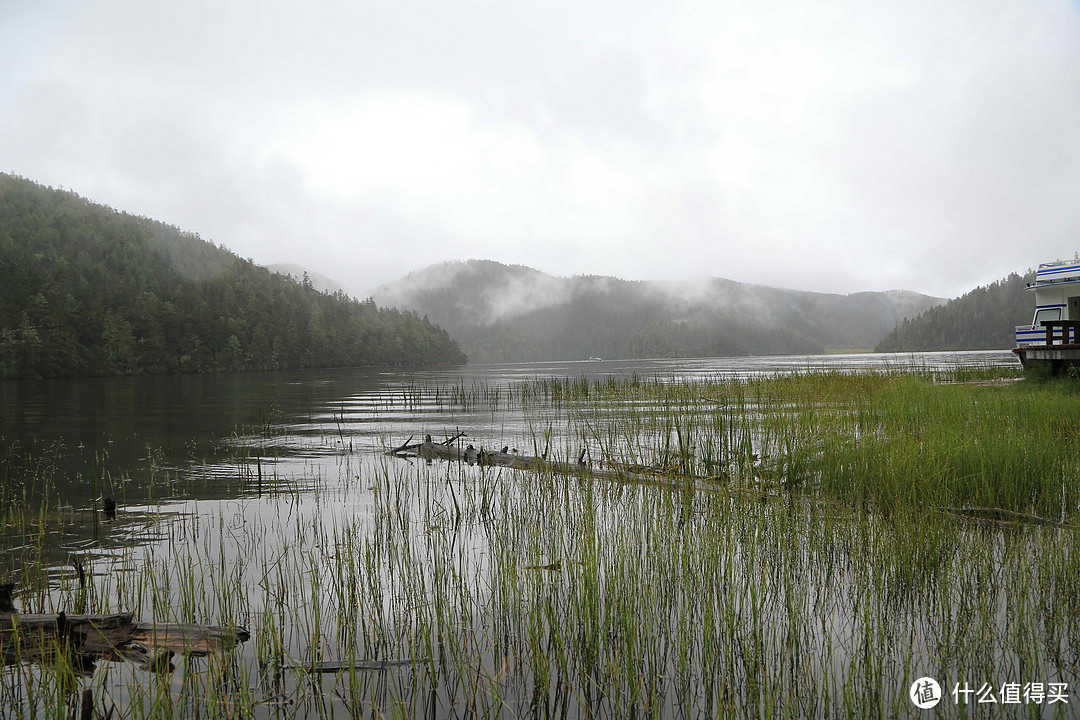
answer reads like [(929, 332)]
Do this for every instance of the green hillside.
[(88, 290), (983, 319)]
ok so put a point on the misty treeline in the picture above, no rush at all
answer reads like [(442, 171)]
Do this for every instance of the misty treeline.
[(88, 290), (612, 332), (513, 313), (983, 319), (613, 319)]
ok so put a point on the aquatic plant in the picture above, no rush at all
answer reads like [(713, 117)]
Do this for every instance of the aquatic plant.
[(786, 546)]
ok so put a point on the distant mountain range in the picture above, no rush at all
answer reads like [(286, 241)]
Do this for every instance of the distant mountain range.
[(504, 313), (87, 290)]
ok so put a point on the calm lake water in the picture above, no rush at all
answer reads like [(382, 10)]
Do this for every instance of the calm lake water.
[(253, 498), (132, 427)]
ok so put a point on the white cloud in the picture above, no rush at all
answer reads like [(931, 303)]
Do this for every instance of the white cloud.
[(828, 146)]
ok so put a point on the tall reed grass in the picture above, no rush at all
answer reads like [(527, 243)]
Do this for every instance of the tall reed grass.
[(803, 549)]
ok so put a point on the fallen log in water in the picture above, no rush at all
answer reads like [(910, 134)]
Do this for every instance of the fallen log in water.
[(29, 637), (406, 448), (448, 450), (188, 639)]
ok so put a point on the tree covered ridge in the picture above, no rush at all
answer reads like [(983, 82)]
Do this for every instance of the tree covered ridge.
[(507, 313), (983, 319), (88, 290)]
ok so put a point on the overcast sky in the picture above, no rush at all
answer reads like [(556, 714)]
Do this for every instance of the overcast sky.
[(831, 145)]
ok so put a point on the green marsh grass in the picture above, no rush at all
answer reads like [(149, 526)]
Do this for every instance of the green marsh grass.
[(803, 548)]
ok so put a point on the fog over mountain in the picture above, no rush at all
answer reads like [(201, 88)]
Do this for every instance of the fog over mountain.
[(501, 313)]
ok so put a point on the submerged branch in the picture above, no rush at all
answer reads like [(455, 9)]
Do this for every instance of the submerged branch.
[(333, 666), (1002, 516)]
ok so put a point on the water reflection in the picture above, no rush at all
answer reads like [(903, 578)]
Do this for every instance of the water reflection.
[(123, 437), (267, 500)]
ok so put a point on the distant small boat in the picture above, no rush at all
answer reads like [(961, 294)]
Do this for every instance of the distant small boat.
[(596, 359)]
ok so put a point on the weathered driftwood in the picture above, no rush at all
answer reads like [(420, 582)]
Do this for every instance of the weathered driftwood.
[(406, 448), (188, 639), (33, 636), (448, 450), (28, 637)]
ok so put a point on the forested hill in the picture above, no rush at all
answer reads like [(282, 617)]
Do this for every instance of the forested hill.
[(514, 313), (983, 319), (88, 290)]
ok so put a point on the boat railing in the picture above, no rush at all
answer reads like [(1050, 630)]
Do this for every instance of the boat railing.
[(1061, 332)]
